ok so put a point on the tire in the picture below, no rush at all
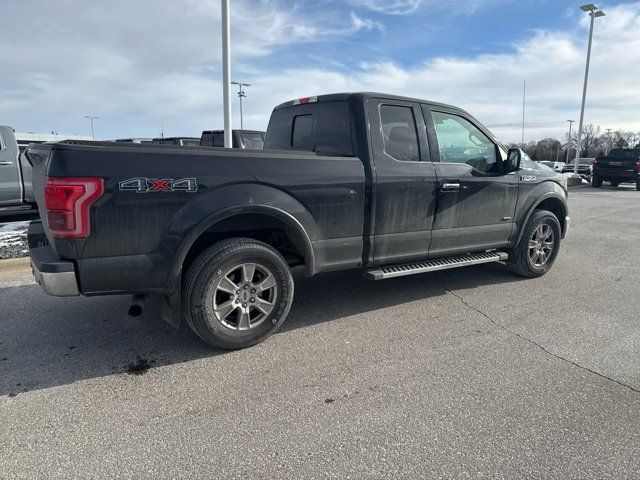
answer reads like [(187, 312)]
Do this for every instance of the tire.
[(614, 184), (226, 308), (638, 185), (596, 181), (520, 259)]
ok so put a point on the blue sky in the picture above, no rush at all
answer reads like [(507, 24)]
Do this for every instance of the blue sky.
[(142, 64)]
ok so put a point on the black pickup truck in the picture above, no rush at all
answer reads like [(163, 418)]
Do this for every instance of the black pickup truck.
[(389, 185), (620, 165)]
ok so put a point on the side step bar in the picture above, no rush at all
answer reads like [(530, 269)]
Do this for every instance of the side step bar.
[(436, 264)]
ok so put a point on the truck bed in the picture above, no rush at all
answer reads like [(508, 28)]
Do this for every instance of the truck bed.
[(138, 235)]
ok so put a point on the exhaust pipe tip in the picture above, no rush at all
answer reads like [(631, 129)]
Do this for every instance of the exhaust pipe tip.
[(137, 305)]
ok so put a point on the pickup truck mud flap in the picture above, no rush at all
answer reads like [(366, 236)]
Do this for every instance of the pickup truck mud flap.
[(392, 271)]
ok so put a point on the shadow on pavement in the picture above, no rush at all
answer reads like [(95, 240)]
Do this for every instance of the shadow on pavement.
[(48, 341)]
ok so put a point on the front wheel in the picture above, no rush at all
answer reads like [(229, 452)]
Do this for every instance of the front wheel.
[(237, 293), (614, 184), (638, 185), (596, 181), (538, 247)]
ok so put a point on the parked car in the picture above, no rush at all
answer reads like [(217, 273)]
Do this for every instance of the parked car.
[(183, 141), (584, 167), (388, 185), (16, 192), (558, 166), (249, 139), (621, 165)]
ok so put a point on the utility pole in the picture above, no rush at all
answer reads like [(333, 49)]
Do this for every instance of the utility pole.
[(593, 13), (571, 122), (609, 142), (226, 72), (241, 95), (92, 118), (524, 97)]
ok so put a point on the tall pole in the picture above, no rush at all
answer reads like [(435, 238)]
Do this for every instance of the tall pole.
[(524, 97), (92, 118), (609, 142), (571, 122), (226, 72), (593, 12), (241, 95)]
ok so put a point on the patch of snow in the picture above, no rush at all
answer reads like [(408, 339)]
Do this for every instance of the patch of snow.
[(13, 240)]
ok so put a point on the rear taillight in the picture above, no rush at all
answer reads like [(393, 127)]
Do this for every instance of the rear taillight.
[(68, 201), (595, 163), (638, 166)]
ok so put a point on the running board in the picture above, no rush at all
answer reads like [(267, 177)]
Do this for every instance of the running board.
[(436, 264)]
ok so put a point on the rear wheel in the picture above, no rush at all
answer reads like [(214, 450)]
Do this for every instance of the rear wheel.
[(237, 293), (538, 247), (596, 181)]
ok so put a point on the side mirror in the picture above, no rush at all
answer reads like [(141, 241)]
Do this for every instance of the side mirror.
[(514, 157)]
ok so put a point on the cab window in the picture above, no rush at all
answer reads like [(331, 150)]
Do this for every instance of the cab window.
[(460, 141)]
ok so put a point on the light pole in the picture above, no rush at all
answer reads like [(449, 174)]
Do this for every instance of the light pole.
[(571, 122), (241, 95), (524, 98), (609, 142), (593, 13), (226, 72), (92, 118)]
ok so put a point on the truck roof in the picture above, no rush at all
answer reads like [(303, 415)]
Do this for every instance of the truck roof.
[(332, 97)]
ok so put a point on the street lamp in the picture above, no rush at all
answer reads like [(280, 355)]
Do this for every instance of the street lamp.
[(594, 12), (571, 122), (241, 95), (92, 118)]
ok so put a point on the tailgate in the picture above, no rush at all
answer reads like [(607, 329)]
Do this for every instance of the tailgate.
[(38, 156)]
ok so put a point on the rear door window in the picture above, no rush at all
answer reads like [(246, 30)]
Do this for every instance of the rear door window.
[(399, 133)]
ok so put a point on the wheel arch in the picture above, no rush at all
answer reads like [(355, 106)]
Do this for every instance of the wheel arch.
[(553, 202), (266, 218)]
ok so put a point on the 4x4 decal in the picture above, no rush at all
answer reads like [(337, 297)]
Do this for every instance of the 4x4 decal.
[(145, 185)]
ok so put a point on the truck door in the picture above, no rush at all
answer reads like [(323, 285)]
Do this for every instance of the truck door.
[(404, 184), (476, 200), (10, 185)]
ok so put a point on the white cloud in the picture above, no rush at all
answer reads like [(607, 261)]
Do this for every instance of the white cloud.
[(389, 7)]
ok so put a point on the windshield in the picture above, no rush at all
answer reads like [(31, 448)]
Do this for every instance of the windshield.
[(252, 141)]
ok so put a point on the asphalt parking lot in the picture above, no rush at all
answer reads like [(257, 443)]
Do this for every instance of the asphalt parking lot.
[(470, 373)]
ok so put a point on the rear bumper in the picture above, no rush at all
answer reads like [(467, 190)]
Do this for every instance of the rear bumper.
[(56, 276), (621, 175)]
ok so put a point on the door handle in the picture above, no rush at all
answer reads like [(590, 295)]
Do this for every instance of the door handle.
[(4, 164), (450, 187)]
